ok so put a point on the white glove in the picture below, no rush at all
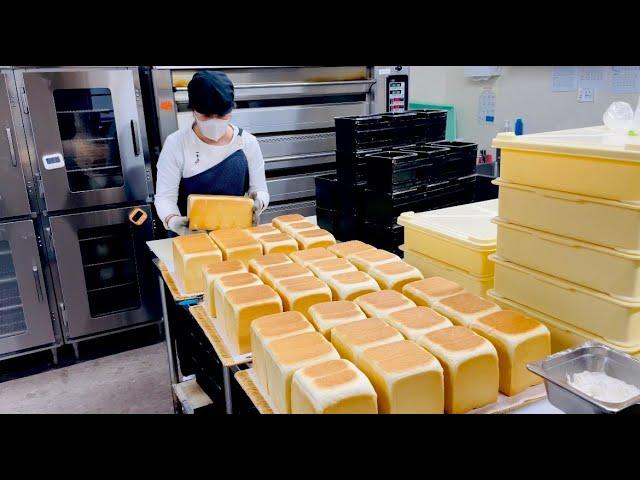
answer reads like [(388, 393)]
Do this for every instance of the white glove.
[(178, 224), (258, 206)]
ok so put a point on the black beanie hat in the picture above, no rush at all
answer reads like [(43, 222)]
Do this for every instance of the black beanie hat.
[(211, 93)]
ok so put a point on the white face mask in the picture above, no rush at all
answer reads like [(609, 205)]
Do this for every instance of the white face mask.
[(214, 128)]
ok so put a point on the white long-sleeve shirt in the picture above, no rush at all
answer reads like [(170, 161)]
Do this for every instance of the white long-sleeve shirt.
[(185, 155)]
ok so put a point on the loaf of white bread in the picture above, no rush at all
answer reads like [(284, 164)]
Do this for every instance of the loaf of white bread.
[(328, 268), (415, 322), (282, 220), (258, 264), (261, 231), (190, 254), (315, 238), (332, 387), (273, 274), (353, 338), (294, 227), (367, 259), (465, 308), (221, 288), (430, 290), (345, 249), (327, 315), (300, 293), (519, 340), (211, 273), (245, 305), (383, 303), (236, 244), (286, 356), (395, 275), (470, 364), (406, 377), (214, 212), (351, 285), (268, 328), (278, 243), (312, 255)]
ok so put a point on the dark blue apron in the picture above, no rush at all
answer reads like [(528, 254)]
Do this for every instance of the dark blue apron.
[(229, 177)]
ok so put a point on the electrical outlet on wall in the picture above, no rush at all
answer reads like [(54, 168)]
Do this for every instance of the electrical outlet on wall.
[(586, 94)]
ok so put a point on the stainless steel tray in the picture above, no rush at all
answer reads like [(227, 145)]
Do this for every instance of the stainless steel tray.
[(591, 356)]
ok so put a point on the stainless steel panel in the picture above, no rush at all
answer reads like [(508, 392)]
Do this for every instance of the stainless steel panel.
[(291, 118), (36, 328), (295, 161), (282, 74), (294, 187), (39, 87), (297, 144), (290, 90), (306, 208), (72, 278), (14, 200), (165, 103)]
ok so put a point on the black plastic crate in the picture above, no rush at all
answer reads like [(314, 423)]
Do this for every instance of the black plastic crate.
[(327, 219), (351, 166), (361, 132), (343, 225), (484, 189), (460, 160), (386, 237), (327, 192), (393, 170), (432, 159), (437, 126), (384, 208)]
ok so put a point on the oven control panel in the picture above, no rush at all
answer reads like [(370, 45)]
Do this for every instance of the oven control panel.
[(397, 93)]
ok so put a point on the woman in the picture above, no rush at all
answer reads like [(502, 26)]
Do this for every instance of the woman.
[(210, 156)]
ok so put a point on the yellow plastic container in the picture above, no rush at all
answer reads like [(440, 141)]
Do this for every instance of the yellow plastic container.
[(589, 161), (462, 236), (603, 222), (563, 335), (604, 269), (617, 321), (433, 268)]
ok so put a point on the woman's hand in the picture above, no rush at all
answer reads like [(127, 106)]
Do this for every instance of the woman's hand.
[(178, 224), (258, 206)]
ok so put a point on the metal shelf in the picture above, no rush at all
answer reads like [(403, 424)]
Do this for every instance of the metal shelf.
[(89, 265), (91, 290)]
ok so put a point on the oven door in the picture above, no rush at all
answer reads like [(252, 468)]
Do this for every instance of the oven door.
[(14, 200), (86, 135), (104, 272), (25, 320)]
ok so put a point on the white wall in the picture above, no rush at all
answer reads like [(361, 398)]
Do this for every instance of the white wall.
[(521, 92)]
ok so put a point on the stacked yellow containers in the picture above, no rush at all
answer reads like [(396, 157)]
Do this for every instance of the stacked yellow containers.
[(568, 250), (454, 243)]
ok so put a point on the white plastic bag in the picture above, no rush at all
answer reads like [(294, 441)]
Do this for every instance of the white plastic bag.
[(621, 118)]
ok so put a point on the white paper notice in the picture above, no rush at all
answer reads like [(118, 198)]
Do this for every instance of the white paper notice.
[(625, 79), (565, 79), (592, 77), (487, 107)]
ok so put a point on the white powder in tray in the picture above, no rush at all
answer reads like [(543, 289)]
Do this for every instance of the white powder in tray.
[(602, 387)]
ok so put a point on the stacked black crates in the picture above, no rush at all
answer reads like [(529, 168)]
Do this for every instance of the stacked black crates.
[(388, 164)]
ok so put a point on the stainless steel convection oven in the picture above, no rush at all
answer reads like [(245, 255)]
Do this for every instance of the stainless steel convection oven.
[(291, 110), (78, 143)]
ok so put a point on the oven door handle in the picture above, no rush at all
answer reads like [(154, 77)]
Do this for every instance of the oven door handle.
[(36, 278), (134, 137), (12, 152)]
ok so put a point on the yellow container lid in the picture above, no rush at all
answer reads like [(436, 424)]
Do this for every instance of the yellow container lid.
[(468, 225), (597, 142)]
